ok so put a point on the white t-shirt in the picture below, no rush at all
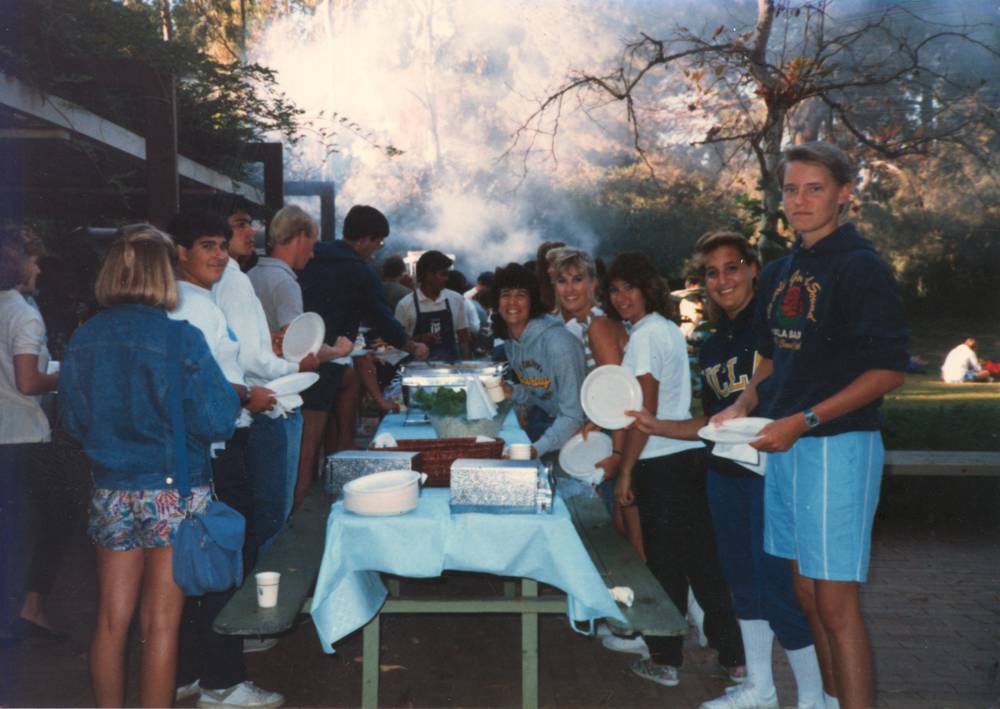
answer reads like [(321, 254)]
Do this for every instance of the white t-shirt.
[(406, 314), (22, 332), (197, 307), (235, 296), (656, 346), (960, 360)]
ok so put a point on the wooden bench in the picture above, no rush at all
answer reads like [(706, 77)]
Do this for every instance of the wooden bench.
[(946, 463), (296, 553), (652, 613)]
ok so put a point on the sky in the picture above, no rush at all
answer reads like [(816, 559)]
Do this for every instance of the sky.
[(447, 83)]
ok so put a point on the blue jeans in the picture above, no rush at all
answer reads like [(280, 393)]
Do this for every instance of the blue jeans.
[(761, 584), (272, 462)]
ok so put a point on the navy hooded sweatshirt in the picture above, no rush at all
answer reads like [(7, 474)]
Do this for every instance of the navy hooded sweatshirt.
[(339, 285), (825, 315), (727, 361)]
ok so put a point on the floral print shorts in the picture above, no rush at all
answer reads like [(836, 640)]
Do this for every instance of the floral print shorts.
[(121, 520)]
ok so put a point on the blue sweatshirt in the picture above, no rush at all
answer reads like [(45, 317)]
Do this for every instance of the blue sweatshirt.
[(825, 315), (339, 285), (548, 361)]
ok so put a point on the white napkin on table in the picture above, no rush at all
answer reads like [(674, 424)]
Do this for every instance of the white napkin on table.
[(384, 440), (478, 404), (623, 595)]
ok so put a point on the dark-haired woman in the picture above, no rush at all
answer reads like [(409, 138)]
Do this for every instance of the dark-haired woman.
[(547, 359), (666, 476), (761, 585)]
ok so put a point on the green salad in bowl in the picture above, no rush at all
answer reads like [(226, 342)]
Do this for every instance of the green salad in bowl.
[(445, 408)]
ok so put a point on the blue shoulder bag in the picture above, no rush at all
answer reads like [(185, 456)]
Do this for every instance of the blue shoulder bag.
[(208, 545)]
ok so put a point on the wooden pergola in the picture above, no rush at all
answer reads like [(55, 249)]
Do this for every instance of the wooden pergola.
[(64, 160)]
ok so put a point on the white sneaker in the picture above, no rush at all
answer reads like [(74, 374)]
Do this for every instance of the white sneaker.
[(634, 645), (244, 694), (187, 690), (745, 697), (258, 644)]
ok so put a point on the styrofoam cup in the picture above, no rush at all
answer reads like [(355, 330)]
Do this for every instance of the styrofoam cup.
[(494, 387), (267, 588), (520, 451)]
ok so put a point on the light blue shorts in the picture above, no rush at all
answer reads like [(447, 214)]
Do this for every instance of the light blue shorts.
[(819, 504)]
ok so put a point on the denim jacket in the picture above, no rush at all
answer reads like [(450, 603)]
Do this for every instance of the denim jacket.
[(113, 398)]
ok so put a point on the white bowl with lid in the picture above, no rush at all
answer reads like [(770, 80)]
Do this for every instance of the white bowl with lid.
[(392, 492)]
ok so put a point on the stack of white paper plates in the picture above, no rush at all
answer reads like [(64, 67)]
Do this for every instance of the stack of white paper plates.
[(739, 430), (292, 383)]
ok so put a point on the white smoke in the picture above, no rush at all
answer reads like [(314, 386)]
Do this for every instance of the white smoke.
[(448, 83)]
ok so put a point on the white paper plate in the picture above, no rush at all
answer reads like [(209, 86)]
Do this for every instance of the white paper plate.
[(304, 336), (741, 430), (578, 456), (607, 393), (292, 383)]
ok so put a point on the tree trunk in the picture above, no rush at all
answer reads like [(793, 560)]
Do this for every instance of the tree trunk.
[(166, 21), (769, 243), (769, 149)]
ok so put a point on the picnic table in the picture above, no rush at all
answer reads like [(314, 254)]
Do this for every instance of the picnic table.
[(574, 550)]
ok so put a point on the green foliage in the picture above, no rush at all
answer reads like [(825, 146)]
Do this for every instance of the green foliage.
[(660, 218), (443, 401), (72, 49)]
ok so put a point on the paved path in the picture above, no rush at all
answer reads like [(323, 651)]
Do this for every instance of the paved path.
[(933, 604)]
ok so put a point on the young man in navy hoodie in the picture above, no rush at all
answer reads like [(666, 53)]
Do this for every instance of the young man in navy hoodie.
[(832, 333)]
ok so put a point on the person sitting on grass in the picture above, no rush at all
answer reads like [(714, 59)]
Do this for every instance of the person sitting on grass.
[(962, 365), (546, 357)]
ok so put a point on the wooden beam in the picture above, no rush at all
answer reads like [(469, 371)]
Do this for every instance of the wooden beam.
[(60, 113), (163, 198), (272, 155), (34, 134)]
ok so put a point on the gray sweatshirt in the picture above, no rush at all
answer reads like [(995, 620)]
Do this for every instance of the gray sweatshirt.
[(549, 363)]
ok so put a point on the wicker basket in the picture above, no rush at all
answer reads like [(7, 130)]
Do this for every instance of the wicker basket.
[(437, 455)]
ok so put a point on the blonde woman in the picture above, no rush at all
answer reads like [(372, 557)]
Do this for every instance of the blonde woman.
[(574, 277), (113, 400)]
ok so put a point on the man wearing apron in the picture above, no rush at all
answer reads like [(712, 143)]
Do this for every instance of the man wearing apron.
[(435, 315)]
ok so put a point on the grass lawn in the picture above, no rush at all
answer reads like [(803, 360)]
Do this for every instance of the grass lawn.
[(927, 414)]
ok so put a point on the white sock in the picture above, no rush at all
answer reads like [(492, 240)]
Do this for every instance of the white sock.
[(758, 639), (831, 702), (808, 679), (696, 617)]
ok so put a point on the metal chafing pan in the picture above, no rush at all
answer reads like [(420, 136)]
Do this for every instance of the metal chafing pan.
[(435, 374)]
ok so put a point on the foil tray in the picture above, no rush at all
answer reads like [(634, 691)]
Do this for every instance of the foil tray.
[(435, 374)]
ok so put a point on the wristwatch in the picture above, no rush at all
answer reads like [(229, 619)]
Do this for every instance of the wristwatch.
[(812, 420), (245, 396)]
